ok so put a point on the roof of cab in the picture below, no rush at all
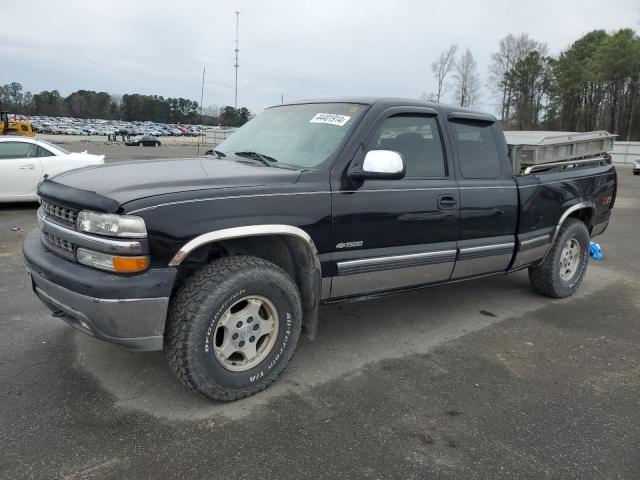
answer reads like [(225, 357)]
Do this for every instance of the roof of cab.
[(387, 102)]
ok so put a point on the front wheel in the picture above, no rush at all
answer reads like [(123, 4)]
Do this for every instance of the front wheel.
[(561, 273), (233, 327)]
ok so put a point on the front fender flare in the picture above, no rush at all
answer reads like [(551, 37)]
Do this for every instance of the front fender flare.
[(313, 289)]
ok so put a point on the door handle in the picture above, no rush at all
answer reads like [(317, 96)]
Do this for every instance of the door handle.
[(27, 167), (447, 202)]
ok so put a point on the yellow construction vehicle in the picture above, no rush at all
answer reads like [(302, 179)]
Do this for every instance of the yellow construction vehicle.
[(14, 127)]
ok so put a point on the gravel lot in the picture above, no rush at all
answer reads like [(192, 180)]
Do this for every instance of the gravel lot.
[(483, 379)]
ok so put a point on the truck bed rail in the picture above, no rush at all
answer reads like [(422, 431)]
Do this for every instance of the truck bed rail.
[(603, 160)]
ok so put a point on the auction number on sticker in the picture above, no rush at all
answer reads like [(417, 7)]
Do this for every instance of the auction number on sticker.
[(330, 118)]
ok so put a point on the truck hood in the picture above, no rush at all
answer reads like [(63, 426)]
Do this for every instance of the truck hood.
[(119, 183)]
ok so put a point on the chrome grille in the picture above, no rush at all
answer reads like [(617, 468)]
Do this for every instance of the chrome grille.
[(67, 215), (59, 245)]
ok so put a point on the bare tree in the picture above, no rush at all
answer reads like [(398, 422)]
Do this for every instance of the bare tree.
[(117, 99), (467, 83), (512, 50), (441, 69), (211, 110)]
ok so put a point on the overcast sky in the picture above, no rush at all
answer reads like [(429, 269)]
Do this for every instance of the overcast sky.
[(301, 49)]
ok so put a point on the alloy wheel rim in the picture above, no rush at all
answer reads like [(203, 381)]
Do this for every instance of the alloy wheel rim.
[(245, 333), (569, 259)]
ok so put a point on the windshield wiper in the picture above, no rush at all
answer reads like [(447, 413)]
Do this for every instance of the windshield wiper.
[(266, 159)]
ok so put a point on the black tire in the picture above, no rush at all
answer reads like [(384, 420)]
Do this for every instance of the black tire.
[(545, 277), (200, 303)]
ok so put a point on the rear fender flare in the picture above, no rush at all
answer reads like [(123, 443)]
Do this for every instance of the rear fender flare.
[(584, 205)]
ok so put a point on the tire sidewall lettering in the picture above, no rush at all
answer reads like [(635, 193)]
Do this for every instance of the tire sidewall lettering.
[(283, 346), (269, 366)]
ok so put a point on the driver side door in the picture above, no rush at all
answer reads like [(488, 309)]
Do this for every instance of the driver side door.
[(392, 234)]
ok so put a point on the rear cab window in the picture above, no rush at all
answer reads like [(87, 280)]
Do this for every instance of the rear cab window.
[(478, 153)]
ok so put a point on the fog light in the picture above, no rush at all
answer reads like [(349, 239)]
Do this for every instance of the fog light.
[(112, 263)]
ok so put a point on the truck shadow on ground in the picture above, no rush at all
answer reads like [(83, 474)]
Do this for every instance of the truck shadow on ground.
[(350, 336)]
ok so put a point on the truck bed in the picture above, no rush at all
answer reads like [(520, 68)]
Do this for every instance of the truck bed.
[(540, 150)]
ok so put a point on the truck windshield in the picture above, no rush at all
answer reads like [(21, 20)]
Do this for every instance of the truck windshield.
[(303, 135)]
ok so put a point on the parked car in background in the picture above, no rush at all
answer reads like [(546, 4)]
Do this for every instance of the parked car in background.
[(143, 141), (25, 160), (636, 167), (96, 126)]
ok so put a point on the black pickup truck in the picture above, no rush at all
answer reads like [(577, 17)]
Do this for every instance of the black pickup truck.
[(224, 260)]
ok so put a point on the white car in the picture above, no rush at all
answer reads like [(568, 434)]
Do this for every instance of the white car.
[(25, 160)]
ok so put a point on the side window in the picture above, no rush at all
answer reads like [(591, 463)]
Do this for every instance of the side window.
[(477, 149), (43, 152), (417, 139), (16, 150)]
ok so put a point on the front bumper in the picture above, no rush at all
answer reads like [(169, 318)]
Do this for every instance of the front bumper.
[(127, 310)]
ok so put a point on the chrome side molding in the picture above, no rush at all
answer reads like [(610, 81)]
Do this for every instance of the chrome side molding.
[(486, 250), (395, 261), (534, 242), (531, 250), (483, 259), (240, 232), (383, 279)]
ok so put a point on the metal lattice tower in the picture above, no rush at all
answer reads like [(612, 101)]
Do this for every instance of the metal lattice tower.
[(236, 64)]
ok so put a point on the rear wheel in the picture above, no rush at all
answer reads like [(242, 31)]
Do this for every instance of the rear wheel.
[(233, 327), (561, 273)]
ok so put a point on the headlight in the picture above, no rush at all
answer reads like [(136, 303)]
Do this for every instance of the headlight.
[(112, 263), (111, 224)]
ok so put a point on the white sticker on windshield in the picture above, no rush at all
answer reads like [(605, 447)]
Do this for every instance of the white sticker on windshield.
[(330, 118)]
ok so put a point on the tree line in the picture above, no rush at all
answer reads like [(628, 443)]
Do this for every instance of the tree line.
[(129, 107), (592, 85)]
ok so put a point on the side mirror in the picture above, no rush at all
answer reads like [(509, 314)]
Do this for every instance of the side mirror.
[(380, 164)]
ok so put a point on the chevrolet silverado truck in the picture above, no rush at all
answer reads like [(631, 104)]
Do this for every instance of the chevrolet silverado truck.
[(223, 261)]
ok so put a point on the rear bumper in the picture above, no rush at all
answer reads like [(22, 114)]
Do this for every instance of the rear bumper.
[(127, 310)]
